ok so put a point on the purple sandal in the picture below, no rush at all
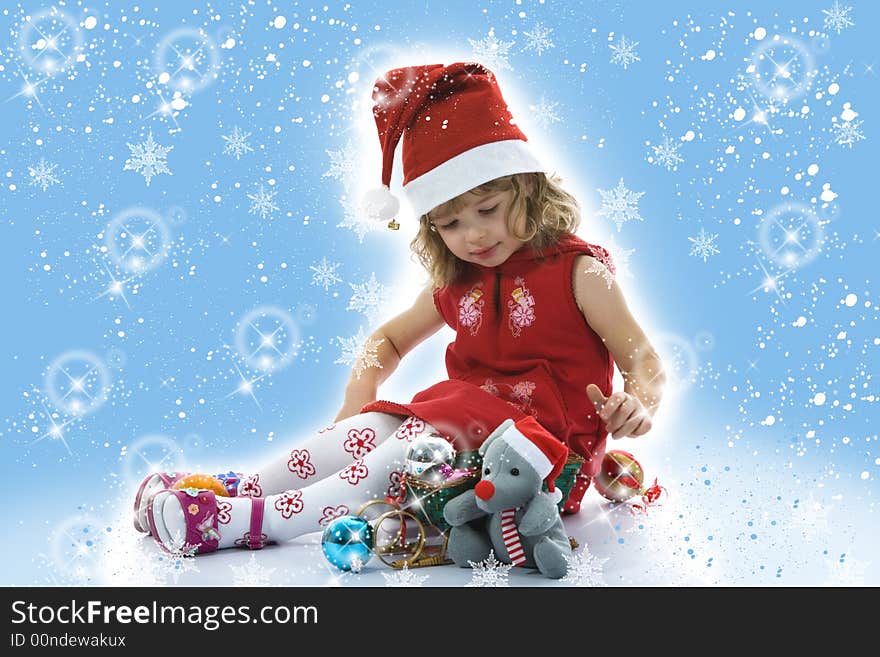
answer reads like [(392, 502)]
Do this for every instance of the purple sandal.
[(199, 509), (157, 481)]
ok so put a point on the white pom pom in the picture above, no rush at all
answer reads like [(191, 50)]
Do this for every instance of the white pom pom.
[(380, 204)]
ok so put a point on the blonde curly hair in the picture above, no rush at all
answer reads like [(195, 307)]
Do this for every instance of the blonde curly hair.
[(549, 212)]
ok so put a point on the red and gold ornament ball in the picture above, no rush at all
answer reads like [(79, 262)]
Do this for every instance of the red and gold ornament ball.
[(621, 477)]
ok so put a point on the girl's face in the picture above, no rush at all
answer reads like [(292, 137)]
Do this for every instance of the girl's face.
[(478, 233)]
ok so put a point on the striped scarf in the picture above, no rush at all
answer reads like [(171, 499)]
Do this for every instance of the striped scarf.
[(511, 537)]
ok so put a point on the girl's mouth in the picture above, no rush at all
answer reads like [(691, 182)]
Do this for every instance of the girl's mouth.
[(483, 253)]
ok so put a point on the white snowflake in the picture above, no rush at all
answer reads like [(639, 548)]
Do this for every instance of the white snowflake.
[(624, 52), (341, 163), (617, 255), (846, 571), (491, 52), (148, 158), (810, 516), (357, 220), (620, 204), (359, 351), (263, 202), (837, 18), (179, 560), (538, 40), (252, 573), (584, 569), (404, 578), (490, 572), (236, 143), (43, 174), (599, 269), (704, 245), (544, 113), (369, 298), (325, 274), (847, 133), (666, 155)]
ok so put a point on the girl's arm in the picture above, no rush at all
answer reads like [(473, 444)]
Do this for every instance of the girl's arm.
[(395, 338), (627, 413)]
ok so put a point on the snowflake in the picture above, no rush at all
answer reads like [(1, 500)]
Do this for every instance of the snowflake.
[(544, 113), (404, 578), (148, 159), (837, 18), (491, 52), (666, 155), (704, 245), (236, 143), (620, 205), (263, 202), (810, 517), (617, 255), (846, 571), (251, 574), (847, 133), (178, 560), (341, 163), (490, 572), (357, 220), (368, 298), (584, 569), (624, 52), (43, 174), (359, 351), (325, 274), (538, 39)]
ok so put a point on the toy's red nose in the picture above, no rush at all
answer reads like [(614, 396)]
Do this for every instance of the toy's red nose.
[(484, 490)]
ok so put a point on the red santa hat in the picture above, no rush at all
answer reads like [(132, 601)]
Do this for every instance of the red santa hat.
[(540, 448), (457, 133)]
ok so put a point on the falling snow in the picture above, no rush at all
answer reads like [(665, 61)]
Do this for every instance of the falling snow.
[(369, 298), (252, 573), (584, 569), (704, 245), (263, 202), (360, 351), (237, 143), (624, 52), (538, 39), (847, 133), (492, 52), (356, 220), (148, 159), (324, 274), (404, 578), (43, 175), (838, 17), (620, 204), (342, 163), (667, 155), (544, 113), (490, 572)]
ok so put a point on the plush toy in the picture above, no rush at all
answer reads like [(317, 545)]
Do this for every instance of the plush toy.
[(507, 511)]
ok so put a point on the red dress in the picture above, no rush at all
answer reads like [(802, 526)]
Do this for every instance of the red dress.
[(522, 346)]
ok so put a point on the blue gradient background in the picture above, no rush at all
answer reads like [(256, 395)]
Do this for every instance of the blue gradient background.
[(742, 482)]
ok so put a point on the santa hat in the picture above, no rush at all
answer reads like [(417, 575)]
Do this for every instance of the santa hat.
[(457, 133), (540, 448)]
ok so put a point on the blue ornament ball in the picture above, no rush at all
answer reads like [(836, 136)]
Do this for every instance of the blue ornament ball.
[(348, 542)]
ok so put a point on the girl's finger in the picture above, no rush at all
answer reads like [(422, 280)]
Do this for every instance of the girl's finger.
[(623, 413), (611, 405), (630, 427)]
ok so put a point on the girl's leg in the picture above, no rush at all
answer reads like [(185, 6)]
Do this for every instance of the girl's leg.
[(293, 513), (328, 452)]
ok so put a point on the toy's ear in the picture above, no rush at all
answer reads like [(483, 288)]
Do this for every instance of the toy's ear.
[(492, 436)]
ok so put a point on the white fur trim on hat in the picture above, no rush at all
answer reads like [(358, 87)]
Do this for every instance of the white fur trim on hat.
[(529, 451), (467, 170)]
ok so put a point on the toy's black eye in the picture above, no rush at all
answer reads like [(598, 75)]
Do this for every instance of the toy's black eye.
[(486, 471), (514, 472)]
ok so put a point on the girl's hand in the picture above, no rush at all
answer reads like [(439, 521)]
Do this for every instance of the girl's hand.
[(623, 413)]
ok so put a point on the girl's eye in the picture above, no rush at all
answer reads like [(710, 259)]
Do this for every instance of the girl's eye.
[(452, 224), (489, 210)]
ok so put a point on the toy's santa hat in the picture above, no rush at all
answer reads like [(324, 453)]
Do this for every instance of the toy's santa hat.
[(457, 133), (540, 448)]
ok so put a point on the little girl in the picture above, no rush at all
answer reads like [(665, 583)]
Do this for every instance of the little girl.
[(538, 327)]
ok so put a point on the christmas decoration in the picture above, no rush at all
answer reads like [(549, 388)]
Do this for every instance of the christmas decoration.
[(199, 481), (347, 542), (429, 460), (621, 477)]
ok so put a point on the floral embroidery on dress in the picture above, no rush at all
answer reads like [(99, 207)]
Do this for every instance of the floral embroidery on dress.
[(490, 387), (470, 310), (395, 490), (359, 442), (354, 473), (300, 463), (518, 395), (330, 513), (410, 428), (521, 307), (289, 503)]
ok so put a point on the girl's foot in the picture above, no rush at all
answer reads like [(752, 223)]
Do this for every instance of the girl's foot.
[(157, 481)]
